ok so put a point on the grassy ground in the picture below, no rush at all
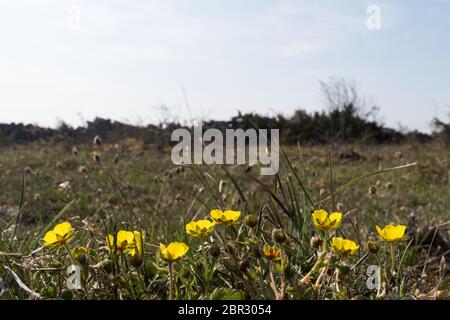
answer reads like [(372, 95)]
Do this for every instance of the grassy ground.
[(134, 187)]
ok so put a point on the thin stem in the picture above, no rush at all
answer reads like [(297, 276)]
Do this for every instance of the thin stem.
[(70, 253), (170, 281), (273, 283), (391, 276), (315, 268), (392, 259), (283, 279)]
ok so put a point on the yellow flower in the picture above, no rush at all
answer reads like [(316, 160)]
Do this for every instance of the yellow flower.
[(200, 229), (326, 222), (127, 242), (60, 234), (137, 243), (78, 251), (344, 247), (271, 252), (226, 217), (392, 233), (174, 251)]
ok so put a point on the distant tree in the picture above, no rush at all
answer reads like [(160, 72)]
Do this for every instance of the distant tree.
[(348, 115), (442, 128)]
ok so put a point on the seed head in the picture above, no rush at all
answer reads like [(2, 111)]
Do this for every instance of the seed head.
[(373, 246), (82, 169), (251, 220), (96, 157), (244, 265), (278, 235), (28, 170), (136, 260), (97, 141), (316, 242)]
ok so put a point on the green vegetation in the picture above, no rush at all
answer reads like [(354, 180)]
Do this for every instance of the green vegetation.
[(134, 186)]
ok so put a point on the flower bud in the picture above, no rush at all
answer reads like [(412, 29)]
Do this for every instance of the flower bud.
[(97, 141), (136, 260), (96, 157), (82, 169), (251, 220), (278, 235), (373, 246), (316, 242), (244, 265)]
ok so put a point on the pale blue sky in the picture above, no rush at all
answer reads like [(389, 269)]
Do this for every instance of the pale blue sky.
[(129, 57)]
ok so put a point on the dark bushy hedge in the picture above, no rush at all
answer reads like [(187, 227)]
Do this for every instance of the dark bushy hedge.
[(339, 125)]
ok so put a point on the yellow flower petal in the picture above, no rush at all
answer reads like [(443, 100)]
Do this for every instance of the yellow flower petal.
[(232, 216), (137, 243), (319, 217), (50, 238), (380, 231), (335, 220), (271, 252), (392, 233), (226, 218), (216, 215), (344, 247), (200, 229), (63, 229), (326, 222), (174, 251), (60, 234)]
